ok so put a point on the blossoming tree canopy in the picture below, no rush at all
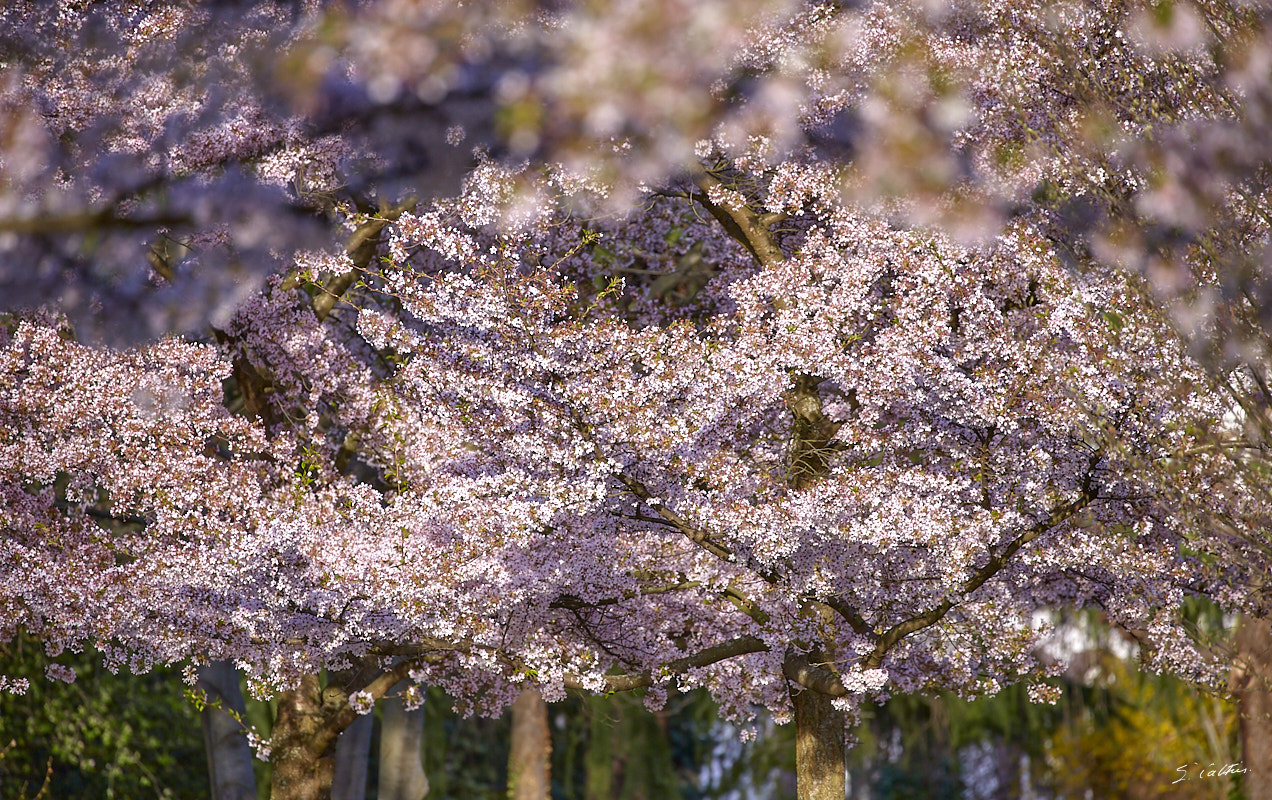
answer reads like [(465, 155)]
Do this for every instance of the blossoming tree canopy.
[(869, 443), (709, 394)]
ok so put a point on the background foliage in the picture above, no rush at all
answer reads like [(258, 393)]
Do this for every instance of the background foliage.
[(1120, 732), (104, 736)]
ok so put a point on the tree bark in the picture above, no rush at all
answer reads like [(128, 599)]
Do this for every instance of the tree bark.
[(353, 750), (1251, 682), (303, 745), (529, 758), (599, 780), (401, 740), (820, 744), (229, 756)]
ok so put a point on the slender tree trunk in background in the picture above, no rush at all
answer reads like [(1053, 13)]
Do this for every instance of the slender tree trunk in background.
[(859, 781), (302, 746), (401, 746), (229, 756), (599, 763), (1251, 682), (353, 750), (820, 743), (1007, 769), (529, 757)]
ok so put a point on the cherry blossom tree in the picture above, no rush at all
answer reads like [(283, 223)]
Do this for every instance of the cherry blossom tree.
[(790, 351)]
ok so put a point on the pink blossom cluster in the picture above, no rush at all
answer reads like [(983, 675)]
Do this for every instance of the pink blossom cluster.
[(846, 392)]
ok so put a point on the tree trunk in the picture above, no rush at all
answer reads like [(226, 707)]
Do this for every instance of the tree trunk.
[(820, 743), (1251, 682), (529, 756), (303, 745), (229, 756), (353, 750), (599, 763), (401, 740), (820, 739)]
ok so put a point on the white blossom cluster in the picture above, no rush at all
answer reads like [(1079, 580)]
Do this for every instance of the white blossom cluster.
[(834, 373)]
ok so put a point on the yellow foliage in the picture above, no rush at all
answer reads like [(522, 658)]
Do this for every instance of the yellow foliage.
[(1156, 726)]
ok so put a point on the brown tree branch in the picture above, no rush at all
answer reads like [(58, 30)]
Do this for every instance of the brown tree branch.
[(742, 645), (341, 715), (796, 667), (749, 227), (695, 535), (992, 567), (88, 220), (360, 248)]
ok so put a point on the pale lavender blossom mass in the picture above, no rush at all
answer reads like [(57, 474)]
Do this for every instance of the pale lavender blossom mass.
[(773, 345)]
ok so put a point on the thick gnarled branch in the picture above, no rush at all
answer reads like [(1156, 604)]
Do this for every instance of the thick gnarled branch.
[(746, 225)]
